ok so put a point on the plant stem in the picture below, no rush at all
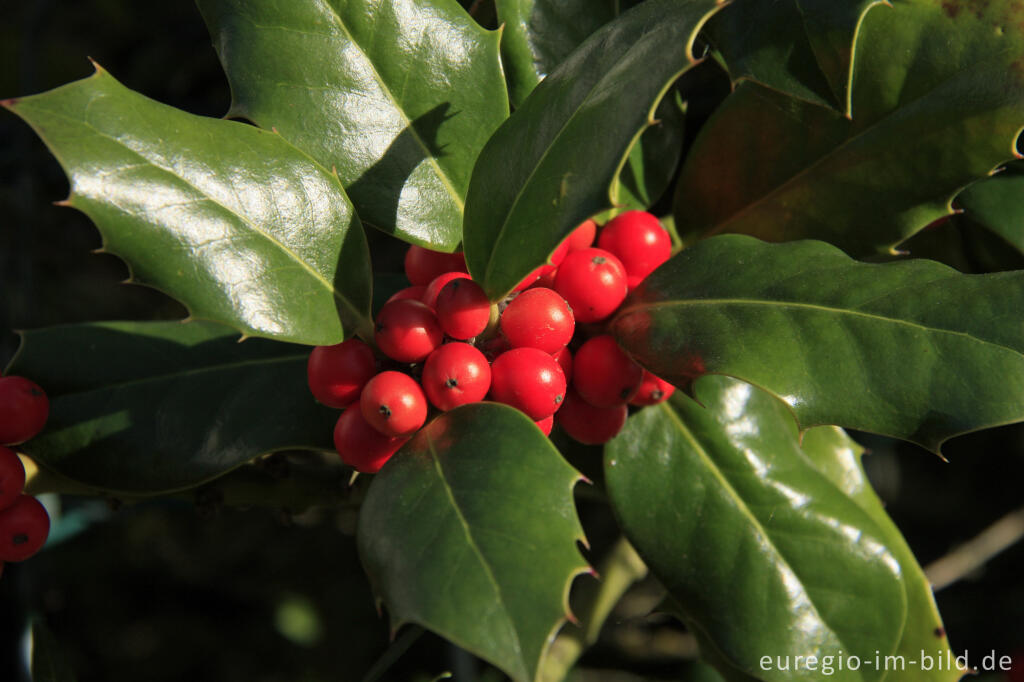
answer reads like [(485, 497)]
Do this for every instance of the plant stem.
[(974, 553)]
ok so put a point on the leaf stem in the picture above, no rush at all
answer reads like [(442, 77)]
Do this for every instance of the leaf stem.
[(976, 552)]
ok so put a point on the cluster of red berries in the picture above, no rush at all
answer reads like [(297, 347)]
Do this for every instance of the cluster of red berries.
[(24, 523), (441, 342)]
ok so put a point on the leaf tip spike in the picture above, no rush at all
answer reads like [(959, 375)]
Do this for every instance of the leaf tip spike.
[(8, 103), (99, 69), (64, 203)]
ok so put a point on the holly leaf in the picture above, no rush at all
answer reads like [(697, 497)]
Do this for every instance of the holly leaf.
[(653, 159), (483, 494), (838, 457), (937, 100), (763, 553), (149, 407), (912, 349), (550, 166), (399, 97), (997, 203), (232, 221)]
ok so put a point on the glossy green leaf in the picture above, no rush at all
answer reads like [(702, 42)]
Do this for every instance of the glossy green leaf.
[(549, 167), (937, 101), (399, 97), (470, 531), (653, 159), (146, 407), (909, 349), (998, 204), (839, 457), (232, 221), (764, 554)]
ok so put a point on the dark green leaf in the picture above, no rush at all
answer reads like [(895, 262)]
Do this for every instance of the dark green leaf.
[(765, 555), (232, 221), (910, 349), (146, 407), (398, 97), (550, 166), (653, 159), (937, 102), (998, 204), (470, 531), (48, 662)]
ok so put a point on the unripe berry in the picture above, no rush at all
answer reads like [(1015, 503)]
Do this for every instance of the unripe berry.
[(652, 391), (23, 529), (538, 318), (361, 446), (394, 404), (23, 410), (639, 241), (12, 477), (407, 330), (337, 374), (564, 358), (438, 283), (593, 281), (423, 265), (589, 424), (463, 309), (583, 236), (529, 380), (603, 374), (456, 374)]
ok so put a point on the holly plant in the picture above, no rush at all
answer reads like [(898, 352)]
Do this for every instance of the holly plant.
[(670, 244)]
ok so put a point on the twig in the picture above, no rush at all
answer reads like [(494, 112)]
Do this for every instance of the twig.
[(973, 554)]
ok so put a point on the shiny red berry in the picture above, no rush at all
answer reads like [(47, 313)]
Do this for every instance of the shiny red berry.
[(530, 380), (589, 424), (593, 281), (337, 374), (407, 330), (423, 265), (394, 404), (438, 283), (361, 446), (559, 254), (530, 279), (23, 529), (652, 391), (23, 410), (456, 374), (545, 424), (463, 309), (639, 241), (414, 292), (12, 477), (564, 358), (546, 279), (583, 236), (538, 318), (603, 374)]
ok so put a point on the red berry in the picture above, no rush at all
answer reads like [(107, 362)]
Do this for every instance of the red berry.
[(529, 380), (527, 282), (546, 279), (361, 446), (423, 265), (394, 404), (583, 236), (414, 292), (588, 424), (463, 309), (559, 254), (564, 358), (337, 373), (12, 477), (23, 529), (652, 391), (603, 374), (23, 410), (456, 374), (538, 318), (407, 330), (438, 283), (639, 241), (593, 281), (545, 424)]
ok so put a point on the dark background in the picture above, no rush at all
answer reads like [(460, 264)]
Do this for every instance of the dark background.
[(166, 591)]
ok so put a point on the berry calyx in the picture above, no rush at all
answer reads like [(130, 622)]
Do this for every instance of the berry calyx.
[(603, 374), (23, 529), (337, 374), (538, 318), (394, 404), (438, 283), (652, 391), (593, 281), (361, 446), (529, 380), (407, 330), (639, 241), (589, 424), (23, 410), (583, 236), (456, 374), (423, 265), (12, 477), (463, 309)]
